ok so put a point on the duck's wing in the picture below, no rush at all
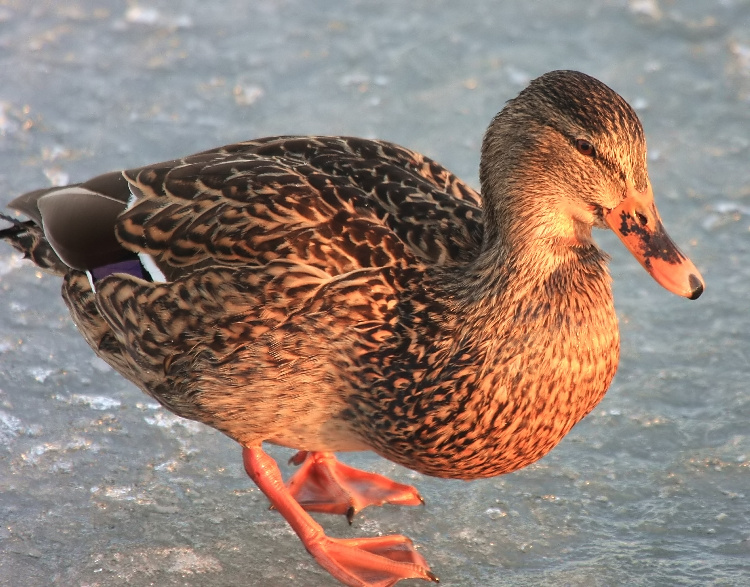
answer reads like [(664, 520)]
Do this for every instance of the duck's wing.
[(336, 203)]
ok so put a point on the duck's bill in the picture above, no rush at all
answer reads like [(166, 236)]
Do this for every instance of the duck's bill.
[(637, 223)]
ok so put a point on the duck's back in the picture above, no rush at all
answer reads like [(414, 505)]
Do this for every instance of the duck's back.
[(335, 203)]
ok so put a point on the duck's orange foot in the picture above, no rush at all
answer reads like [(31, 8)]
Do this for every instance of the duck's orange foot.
[(357, 562), (323, 484), (371, 562)]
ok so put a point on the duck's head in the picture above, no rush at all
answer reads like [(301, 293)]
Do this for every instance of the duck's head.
[(569, 154)]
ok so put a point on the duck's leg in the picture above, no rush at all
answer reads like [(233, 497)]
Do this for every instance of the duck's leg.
[(358, 562), (323, 484)]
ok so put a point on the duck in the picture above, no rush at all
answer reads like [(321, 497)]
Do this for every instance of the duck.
[(332, 294)]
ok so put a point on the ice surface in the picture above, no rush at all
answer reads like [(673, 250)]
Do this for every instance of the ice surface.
[(99, 486)]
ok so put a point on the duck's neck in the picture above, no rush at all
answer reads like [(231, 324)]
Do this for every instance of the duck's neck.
[(538, 269), (535, 284), (531, 243)]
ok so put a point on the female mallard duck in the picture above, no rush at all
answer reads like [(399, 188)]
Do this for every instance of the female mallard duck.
[(338, 294)]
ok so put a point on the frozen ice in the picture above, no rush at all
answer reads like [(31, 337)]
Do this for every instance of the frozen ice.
[(648, 8), (40, 374), (57, 176), (10, 427), (95, 402), (10, 262), (247, 95), (100, 486), (142, 15)]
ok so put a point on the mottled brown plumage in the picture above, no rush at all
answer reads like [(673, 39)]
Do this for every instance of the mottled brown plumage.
[(335, 294)]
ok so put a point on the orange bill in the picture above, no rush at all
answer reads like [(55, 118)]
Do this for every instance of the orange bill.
[(636, 221)]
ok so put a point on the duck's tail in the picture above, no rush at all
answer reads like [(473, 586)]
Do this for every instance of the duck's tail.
[(28, 238), (71, 227)]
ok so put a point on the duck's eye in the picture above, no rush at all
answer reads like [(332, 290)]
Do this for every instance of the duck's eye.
[(585, 148)]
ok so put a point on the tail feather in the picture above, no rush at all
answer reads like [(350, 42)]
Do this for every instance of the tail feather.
[(70, 227), (28, 238)]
